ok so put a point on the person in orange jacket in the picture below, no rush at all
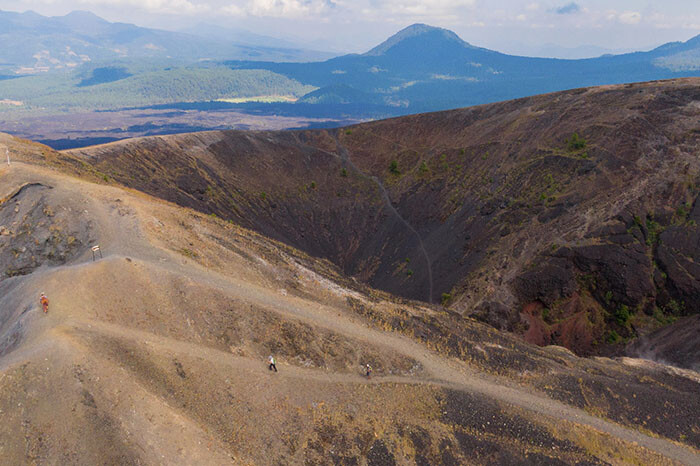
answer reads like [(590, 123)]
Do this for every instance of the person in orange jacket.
[(44, 302)]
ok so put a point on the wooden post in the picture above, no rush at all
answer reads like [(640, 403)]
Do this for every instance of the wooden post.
[(96, 248)]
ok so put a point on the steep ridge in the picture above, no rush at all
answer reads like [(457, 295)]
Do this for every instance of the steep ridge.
[(570, 218), (156, 352)]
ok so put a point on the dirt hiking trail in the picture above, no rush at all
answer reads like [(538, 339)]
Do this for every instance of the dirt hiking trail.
[(182, 310)]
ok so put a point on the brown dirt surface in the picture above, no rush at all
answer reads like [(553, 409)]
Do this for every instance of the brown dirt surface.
[(155, 353)]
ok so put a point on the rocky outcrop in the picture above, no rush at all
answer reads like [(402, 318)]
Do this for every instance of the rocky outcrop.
[(34, 231)]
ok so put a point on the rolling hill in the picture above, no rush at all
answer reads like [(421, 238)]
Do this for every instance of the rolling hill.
[(571, 218)]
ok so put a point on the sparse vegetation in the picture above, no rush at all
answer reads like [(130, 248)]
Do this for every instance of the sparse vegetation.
[(674, 307), (575, 143), (445, 298), (394, 167), (654, 229), (189, 253), (622, 314), (546, 315), (612, 337)]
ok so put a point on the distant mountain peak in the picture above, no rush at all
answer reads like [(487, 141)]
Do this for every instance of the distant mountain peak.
[(415, 30), (85, 15)]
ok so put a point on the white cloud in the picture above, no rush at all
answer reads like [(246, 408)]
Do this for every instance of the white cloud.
[(630, 17), (416, 9), (233, 10), (154, 6), (287, 8), (279, 8)]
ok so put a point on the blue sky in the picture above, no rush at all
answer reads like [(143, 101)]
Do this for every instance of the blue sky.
[(357, 25)]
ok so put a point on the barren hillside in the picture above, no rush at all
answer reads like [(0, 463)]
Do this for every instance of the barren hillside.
[(570, 218), (155, 352)]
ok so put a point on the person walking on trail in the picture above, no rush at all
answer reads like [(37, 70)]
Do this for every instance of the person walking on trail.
[(44, 302), (368, 371), (271, 361)]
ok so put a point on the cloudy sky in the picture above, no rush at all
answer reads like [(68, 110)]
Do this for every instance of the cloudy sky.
[(357, 25)]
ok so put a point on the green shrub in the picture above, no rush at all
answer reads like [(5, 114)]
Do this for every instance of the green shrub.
[(612, 337), (313, 185), (683, 211), (622, 315), (654, 229), (674, 307), (546, 313), (344, 172), (575, 142), (445, 298), (423, 168), (394, 167), (608, 296)]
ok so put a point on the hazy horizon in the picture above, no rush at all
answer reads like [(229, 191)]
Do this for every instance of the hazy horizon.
[(549, 28)]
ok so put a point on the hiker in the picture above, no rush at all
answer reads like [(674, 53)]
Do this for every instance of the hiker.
[(271, 361), (368, 370), (44, 302)]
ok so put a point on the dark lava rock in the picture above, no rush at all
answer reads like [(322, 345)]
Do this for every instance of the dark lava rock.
[(497, 315), (625, 271), (548, 282), (379, 455)]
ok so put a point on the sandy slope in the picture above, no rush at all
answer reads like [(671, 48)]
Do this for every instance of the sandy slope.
[(155, 354)]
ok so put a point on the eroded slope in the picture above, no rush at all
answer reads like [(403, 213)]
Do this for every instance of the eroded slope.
[(156, 352), (571, 218)]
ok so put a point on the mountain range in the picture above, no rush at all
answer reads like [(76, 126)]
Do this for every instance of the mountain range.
[(423, 68), (115, 67), (33, 43)]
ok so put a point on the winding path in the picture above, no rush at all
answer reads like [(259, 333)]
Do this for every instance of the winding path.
[(438, 370)]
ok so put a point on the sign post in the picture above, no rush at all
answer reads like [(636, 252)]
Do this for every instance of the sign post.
[(96, 249)]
